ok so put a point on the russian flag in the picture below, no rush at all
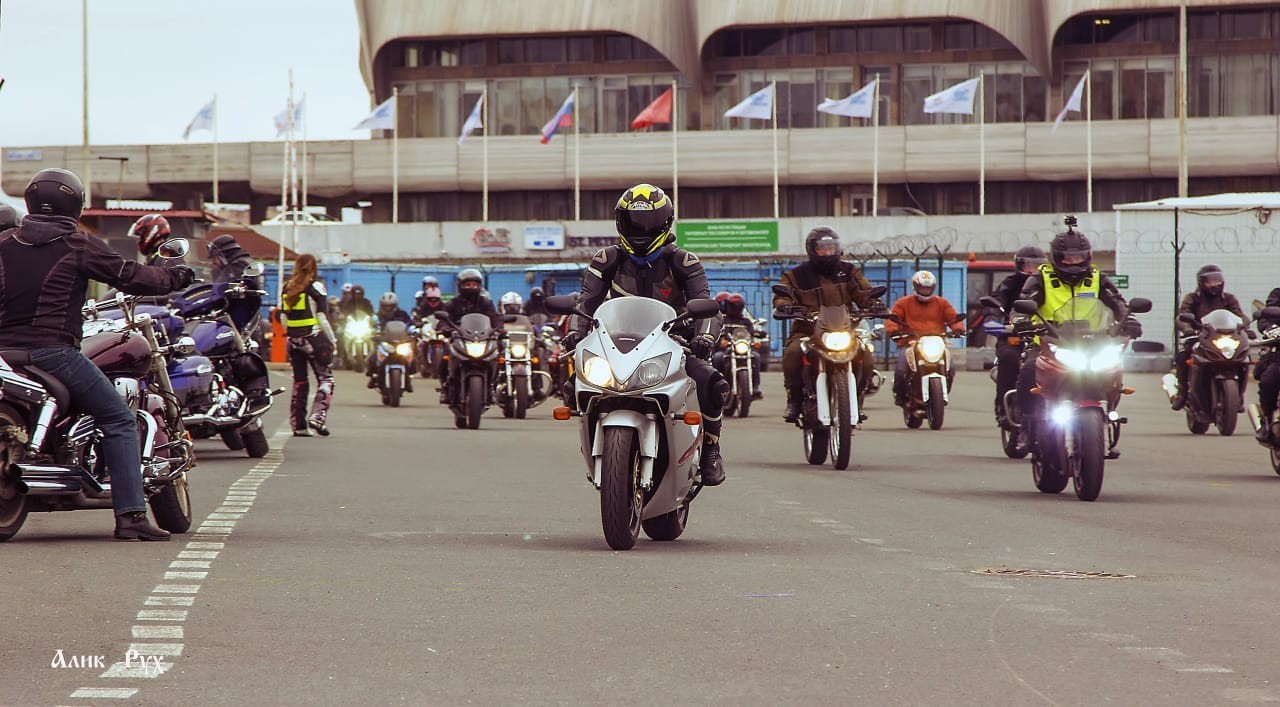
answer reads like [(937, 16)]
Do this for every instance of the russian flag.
[(562, 119)]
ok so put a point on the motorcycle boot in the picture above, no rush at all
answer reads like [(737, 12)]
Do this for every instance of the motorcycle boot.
[(711, 466), (135, 526), (795, 398), (1263, 435)]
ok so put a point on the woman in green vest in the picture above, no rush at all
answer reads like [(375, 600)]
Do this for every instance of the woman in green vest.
[(310, 344)]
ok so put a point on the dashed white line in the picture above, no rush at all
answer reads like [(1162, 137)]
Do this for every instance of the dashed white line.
[(104, 693)]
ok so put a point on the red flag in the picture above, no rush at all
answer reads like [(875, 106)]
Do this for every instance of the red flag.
[(657, 112)]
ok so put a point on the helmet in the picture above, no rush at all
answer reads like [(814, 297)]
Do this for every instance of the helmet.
[(735, 305), (357, 291), (8, 217), (1028, 258), (722, 296), (431, 293), (512, 303), (536, 294), (924, 284), (430, 281), (470, 282), (643, 216), (55, 192), (346, 288), (388, 300), (150, 230), (1210, 280), (1071, 254), (823, 247)]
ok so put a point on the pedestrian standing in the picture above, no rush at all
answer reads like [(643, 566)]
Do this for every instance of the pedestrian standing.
[(310, 345)]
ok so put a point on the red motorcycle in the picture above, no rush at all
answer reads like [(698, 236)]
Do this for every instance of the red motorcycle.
[(1079, 381)]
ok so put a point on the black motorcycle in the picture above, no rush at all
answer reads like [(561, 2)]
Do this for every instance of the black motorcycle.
[(1008, 416), (473, 356), (1218, 371), (1269, 344), (393, 362)]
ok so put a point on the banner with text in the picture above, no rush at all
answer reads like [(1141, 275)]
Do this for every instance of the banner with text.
[(728, 236)]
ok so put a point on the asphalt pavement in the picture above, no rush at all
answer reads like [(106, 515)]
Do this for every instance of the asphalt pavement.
[(403, 561)]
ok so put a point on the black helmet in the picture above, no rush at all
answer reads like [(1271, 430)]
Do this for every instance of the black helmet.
[(1071, 254), (643, 216), (823, 247), (55, 192), (466, 278), (357, 291), (536, 293), (8, 217), (1028, 255), (1210, 280)]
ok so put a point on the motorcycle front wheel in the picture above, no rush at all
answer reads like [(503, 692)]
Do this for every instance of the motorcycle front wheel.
[(841, 425), (521, 396), (1090, 454), (395, 385), (1228, 407), (621, 499), (475, 401), (744, 403), (937, 404)]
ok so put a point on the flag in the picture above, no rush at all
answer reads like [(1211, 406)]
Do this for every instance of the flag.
[(1073, 103), (202, 121), (473, 120), (382, 117), (657, 112), (857, 105), (758, 105), (562, 119), (957, 99), (282, 118)]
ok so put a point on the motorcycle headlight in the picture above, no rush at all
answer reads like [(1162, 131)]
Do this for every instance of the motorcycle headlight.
[(1075, 360), (1106, 359), (837, 340), (931, 348), (652, 372), (519, 351), (741, 347), (357, 328), (476, 349), (597, 371), (405, 349), (1228, 345), (384, 348)]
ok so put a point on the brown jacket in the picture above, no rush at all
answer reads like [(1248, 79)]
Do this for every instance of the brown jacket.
[(812, 289)]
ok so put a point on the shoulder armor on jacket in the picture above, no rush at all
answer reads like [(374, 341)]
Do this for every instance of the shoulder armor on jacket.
[(320, 290)]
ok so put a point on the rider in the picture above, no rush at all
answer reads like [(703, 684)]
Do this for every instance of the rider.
[(1267, 374), (646, 263), (823, 269), (1210, 294), (9, 217), (47, 265), (536, 304), (923, 313), (151, 230), (431, 301), (512, 303), (734, 313), (388, 311), (1026, 262), (229, 258), (1069, 273), (470, 300), (357, 303)]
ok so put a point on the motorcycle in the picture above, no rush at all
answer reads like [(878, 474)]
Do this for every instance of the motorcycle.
[(393, 359), (473, 354), (833, 355), (1269, 343), (1012, 441), (641, 431), (432, 343), (52, 455), (760, 339), (1079, 379), (357, 340), (929, 376), (1218, 370), (867, 336), (518, 375), (738, 368)]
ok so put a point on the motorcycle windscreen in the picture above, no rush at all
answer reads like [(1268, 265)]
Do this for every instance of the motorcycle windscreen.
[(833, 318), (1222, 321), (520, 323), (475, 325), (1082, 315), (629, 319), (395, 331)]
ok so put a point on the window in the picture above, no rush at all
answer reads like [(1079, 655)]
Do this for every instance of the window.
[(917, 38), (545, 50), (618, 48), (957, 35), (581, 49), (801, 42), (763, 42), (533, 105), (842, 39), (1203, 26), (504, 109), (837, 84), (412, 55), (880, 39), (472, 54), (511, 51), (613, 105), (801, 108)]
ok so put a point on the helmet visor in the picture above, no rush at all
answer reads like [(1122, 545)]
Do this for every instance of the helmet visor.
[(642, 228), (826, 247), (469, 286), (1073, 257), (1030, 264), (1212, 280)]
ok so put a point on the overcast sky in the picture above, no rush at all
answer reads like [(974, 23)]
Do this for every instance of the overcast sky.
[(154, 63)]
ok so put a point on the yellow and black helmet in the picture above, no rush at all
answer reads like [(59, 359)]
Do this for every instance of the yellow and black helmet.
[(643, 217)]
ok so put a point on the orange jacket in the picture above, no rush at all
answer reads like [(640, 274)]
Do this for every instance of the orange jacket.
[(923, 318)]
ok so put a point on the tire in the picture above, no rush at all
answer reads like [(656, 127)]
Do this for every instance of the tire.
[(232, 439), (841, 426), (667, 526), (1229, 407), (395, 387), (912, 421), (1091, 454), (255, 443), (13, 505), (1046, 478), (521, 396), (1275, 460), (508, 405), (1011, 441), (1197, 427), (937, 407), (816, 442), (172, 506), (744, 400), (620, 498), (475, 401)]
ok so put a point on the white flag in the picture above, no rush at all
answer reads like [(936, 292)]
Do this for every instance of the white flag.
[(202, 121), (758, 105), (282, 118), (1073, 103), (858, 105), (473, 120), (957, 99), (382, 118)]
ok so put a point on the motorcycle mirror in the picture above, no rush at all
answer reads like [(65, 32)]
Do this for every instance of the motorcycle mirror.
[(877, 292), (1252, 334), (1026, 306), (561, 304), (1139, 305), (782, 290), (1269, 313), (508, 318), (989, 301), (879, 327), (702, 308), (442, 316), (173, 248), (254, 270), (1187, 318), (185, 346)]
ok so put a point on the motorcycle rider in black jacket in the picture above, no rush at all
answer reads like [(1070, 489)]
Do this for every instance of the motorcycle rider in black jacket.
[(1026, 261), (470, 300), (45, 269), (1210, 294), (1267, 373), (646, 263)]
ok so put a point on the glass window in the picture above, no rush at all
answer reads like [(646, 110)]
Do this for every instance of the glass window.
[(1244, 24), (545, 50), (803, 111), (613, 105), (1072, 71), (618, 48), (412, 55), (586, 99), (1202, 25), (448, 98), (641, 50), (1102, 76), (801, 41), (957, 35), (1160, 28), (1133, 88), (446, 54), (581, 49), (886, 89), (472, 54), (1034, 95), (886, 38), (837, 84), (424, 122), (470, 93), (1008, 96), (917, 84), (1203, 87), (511, 51), (533, 105), (557, 88), (763, 42), (842, 39), (640, 93), (504, 110), (1244, 84), (1161, 85), (917, 38), (987, 38)]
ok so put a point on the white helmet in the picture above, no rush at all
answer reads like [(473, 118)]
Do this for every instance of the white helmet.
[(346, 288), (389, 299), (512, 299), (924, 284)]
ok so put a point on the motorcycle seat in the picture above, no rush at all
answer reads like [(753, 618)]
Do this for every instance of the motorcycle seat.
[(20, 360)]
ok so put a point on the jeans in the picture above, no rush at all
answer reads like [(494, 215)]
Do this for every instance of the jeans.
[(92, 394)]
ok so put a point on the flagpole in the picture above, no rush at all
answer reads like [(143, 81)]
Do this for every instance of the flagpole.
[(293, 168), (484, 147), (1088, 140), (215, 149), (577, 159), (284, 195), (675, 149), (773, 106), (982, 150), (875, 149), (395, 155), (305, 161)]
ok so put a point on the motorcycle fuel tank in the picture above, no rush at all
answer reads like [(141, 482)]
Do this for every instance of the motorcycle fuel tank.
[(117, 353), (214, 338)]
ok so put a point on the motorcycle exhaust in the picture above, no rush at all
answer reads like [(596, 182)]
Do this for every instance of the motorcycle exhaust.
[(1170, 384), (49, 479)]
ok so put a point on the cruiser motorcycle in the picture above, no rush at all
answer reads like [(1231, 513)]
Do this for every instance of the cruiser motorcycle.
[(641, 429), (738, 368), (357, 340)]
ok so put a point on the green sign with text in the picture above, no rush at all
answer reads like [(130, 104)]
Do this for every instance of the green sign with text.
[(1121, 281), (728, 236)]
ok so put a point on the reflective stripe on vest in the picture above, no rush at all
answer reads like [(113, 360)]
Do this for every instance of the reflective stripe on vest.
[(1057, 293), (298, 315)]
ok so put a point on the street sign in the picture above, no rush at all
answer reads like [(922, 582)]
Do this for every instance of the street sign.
[(1121, 281), (544, 236), (728, 236)]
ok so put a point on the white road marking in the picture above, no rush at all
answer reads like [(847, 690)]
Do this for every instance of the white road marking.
[(104, 693), (176, 589), (170, 601), (205, 546), (162, 615), (186, 575), (190, 564), (198, 555), (157, 632), (137, 669)]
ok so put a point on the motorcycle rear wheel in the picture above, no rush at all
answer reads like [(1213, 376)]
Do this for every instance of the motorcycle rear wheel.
[(744, 402), (841, 425), (1229, 408), (13, 504), (172, 506), (255, 442), (937, 407), (621, 499), (1091, 453), (1275, 460), (667, 526), (231, 438), (475, 401)]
